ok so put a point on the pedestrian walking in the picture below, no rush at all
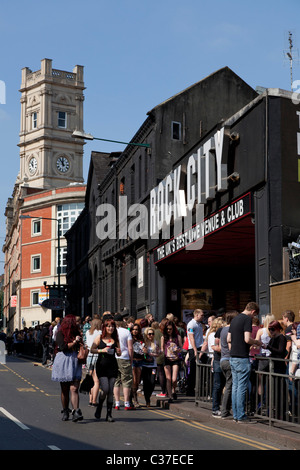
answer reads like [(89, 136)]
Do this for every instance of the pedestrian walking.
[(45, 341), (91, 335), (195, 339), (106, 346), (171, 345), (138, 345), (66, 368), (125, 377), (151, 351)]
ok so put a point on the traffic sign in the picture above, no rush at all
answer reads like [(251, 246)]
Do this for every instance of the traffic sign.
[(55, 303)]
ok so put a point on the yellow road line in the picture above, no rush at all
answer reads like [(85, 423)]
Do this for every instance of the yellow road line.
[(35, 388), (218, 432)]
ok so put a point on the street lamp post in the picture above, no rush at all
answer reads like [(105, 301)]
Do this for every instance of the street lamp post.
[(86, 136)]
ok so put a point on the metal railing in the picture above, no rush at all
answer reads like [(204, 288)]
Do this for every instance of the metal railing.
[(272, 396)]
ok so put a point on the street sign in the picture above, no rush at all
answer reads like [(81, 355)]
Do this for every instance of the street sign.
[(55, 304)]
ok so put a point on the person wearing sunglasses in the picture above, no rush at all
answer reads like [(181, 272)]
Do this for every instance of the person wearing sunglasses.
[(171, 345), (138, 354), (149, 365)]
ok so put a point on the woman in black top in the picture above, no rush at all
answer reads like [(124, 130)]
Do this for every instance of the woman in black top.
[(277, 346), (66, 368), (106, 346)]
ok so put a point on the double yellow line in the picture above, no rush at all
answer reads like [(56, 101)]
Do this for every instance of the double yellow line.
[(218, 432), (34, 389)]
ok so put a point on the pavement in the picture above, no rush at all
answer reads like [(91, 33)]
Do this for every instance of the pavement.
[(281, 434)]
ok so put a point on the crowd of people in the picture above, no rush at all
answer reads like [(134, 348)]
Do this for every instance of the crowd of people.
[(122, 352), (138, 353), (238, 347)]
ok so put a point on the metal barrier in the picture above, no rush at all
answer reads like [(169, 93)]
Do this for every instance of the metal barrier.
[(272, 396)]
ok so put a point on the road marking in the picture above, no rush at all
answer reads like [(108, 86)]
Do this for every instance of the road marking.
[(15, 420), (197, 425), (29, 383), (53, 448), (26, 390)]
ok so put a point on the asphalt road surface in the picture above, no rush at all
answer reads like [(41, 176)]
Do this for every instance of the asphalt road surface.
[(30, 419)]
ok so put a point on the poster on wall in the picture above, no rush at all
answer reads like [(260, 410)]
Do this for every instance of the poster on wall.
[(140, 266), (192, 299)]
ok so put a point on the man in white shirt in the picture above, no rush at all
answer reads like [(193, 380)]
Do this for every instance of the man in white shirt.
[(124, 364), (195, 338)]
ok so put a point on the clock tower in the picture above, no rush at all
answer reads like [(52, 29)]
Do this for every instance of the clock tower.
[(51, 109)]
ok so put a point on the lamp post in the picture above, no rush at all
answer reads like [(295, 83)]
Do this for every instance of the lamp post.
[(86, 136), (58, 241)]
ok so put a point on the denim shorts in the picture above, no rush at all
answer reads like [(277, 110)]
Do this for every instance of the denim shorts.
[(136, 363)]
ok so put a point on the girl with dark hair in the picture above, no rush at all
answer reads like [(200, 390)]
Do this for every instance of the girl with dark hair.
[(66, 368), (138, 344), (171, 345), (277, 346), (106, 346)]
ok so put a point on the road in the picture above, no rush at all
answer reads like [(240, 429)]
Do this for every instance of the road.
[(30, 419)]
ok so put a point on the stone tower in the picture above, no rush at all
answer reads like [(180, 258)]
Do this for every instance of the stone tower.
[(51, 109)]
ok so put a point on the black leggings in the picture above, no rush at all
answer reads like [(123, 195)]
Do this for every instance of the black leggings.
[(107, 387), (148, 377)]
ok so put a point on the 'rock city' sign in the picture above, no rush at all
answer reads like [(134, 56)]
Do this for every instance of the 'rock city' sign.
[(205, 174), (196, 234)]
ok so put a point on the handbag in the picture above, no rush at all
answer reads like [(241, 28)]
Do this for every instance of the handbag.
[(87, 384), (82, 353)]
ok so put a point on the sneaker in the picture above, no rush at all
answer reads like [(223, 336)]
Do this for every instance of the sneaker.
[(163, 395), (117, 407), (228, 416), (246, 421), (216, 414), (131, 407), (77, 415), (65, 416)]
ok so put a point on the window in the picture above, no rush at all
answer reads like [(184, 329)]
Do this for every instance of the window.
[(176, 130), (34, 120), (63, 261), (62, 119), (67, 214), (36, 227), (36, 263), (35, 297), (122, 187)]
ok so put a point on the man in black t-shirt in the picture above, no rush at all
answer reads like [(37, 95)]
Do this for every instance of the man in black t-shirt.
[(239, 339)]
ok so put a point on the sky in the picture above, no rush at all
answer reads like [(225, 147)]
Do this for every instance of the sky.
[(136, 54)]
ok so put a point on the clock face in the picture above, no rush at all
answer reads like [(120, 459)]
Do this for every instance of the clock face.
[(32, 165), (62, 164)]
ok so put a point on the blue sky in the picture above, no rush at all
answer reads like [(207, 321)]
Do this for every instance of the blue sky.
[(136, 54)]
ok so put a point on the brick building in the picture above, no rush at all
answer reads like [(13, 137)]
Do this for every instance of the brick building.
[(48, 194)]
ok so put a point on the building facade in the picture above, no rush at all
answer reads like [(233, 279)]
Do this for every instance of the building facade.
[(48, 194), (207, 217)]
